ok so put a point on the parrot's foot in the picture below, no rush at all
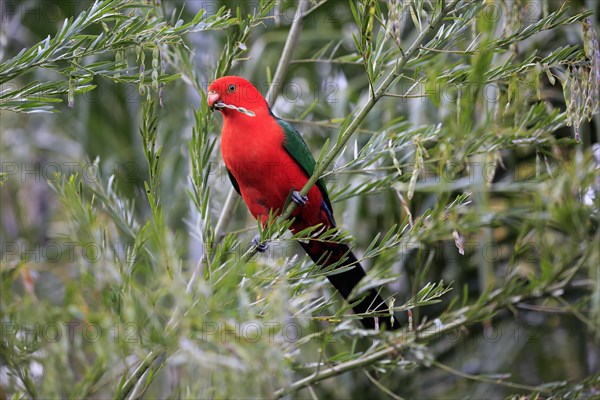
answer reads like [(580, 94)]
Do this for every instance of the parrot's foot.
[(262, 247), (298, 198)]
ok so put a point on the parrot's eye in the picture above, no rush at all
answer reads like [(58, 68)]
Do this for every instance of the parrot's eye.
[(231, 88)]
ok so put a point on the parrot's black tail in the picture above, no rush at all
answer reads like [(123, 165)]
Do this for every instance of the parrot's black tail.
[(327, 254)]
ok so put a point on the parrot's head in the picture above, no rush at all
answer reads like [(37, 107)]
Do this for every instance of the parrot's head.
[(232, 93)]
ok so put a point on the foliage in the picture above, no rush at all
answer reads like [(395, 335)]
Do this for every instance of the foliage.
[(459, 144)]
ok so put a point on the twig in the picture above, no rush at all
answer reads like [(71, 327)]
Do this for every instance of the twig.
[(368, 359), (326, 124), (489, 380), (137, 374), (383, 388), (288, 51), (363, 112), (226, 215), (402, 340), (448, 51)]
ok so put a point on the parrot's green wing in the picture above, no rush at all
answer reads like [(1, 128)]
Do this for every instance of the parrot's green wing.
[(296, 147)]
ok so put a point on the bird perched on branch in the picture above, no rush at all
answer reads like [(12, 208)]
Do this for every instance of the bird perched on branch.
[(268, 163)]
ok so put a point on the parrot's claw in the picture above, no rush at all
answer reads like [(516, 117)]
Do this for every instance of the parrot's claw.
[(262, 247), (298, 198)]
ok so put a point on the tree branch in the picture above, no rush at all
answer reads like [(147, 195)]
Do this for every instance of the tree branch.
[(131, 382), (363, 112), (368, 359), (288, 51), (402, 340)]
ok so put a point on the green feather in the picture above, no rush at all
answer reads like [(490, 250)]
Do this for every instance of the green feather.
[(297, 148), (295, 145)]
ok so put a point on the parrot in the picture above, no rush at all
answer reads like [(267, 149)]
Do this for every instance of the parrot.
[(268, 163)]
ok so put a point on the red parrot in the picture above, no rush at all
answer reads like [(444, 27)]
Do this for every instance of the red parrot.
[(268, 162)]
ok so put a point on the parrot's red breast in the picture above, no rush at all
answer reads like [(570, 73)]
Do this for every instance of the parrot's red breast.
[(253, 151)]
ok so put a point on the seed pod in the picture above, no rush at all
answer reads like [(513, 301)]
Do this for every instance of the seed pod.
[(415, 174), (576, 102), (395, 8), (155, 57), (592, 51), (154, 77), (567, 94), (71, 94), (141, 87), (459, 241), (160, 93)]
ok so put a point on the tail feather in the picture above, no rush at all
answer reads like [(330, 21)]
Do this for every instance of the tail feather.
[(345, 282)]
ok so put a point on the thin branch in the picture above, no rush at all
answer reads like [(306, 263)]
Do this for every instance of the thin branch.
[(361, 115), (402, 340), (313, 8), (137, 374), (226, 215), (368, 359), (288, 51), (324, 61), (383, 388), (463, 52), (484, 379), (569, 308), (326, 124), (406, 96), (364, 111)]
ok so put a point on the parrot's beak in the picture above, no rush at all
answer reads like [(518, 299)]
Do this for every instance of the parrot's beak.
[(212, 98)]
